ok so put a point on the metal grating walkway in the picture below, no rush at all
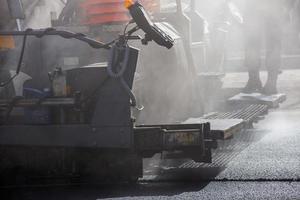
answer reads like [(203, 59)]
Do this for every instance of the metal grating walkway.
[(248, 113)]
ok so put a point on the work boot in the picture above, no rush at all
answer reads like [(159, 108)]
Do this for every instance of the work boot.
[(254, 83), (270, 87)]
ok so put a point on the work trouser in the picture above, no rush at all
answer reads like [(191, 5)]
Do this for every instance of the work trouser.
[(263, 28)]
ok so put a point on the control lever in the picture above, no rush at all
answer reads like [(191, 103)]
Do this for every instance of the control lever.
[(143, 21)]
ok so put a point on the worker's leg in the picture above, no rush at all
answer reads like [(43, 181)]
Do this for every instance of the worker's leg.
[(253, 37), (273, 35)]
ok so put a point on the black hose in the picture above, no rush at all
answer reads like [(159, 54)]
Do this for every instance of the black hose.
[(114, 61), (65, 34), (22, 54), (41, 33), (129, 92)]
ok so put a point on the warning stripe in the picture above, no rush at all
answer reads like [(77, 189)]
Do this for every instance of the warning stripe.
[(97, 12)]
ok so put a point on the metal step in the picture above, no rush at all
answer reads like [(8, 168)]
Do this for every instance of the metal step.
[(248, 113), (221, 128), (272, 101), (226, 124)]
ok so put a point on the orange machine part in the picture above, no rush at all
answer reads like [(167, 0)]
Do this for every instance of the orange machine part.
[(7, 42), (97, 12)]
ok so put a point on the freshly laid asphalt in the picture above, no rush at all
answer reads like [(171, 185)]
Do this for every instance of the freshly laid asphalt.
[(261, 163)]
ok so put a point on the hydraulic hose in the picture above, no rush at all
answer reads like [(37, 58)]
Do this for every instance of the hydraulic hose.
[(114, 61), (43, 32)]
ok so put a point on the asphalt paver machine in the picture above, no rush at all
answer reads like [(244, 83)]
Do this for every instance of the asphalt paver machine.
[(83, 124)]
